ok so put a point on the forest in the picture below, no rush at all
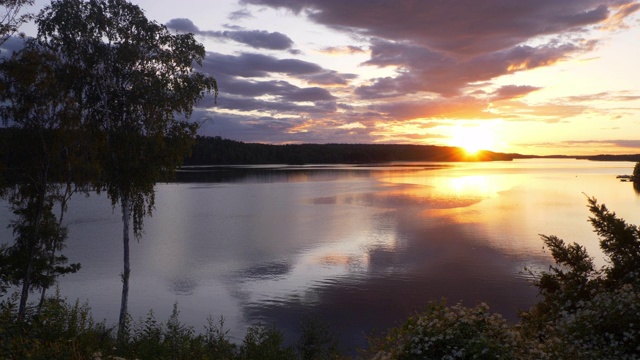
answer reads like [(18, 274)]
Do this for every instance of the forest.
[(219, 151)]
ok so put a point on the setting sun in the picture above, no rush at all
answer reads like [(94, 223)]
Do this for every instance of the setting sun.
[(473, 139)]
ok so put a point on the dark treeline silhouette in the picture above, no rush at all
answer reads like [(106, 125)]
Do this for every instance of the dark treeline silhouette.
[(219, 151), (624, 157)]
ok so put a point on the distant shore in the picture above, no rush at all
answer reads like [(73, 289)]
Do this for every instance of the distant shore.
[(219, 151)]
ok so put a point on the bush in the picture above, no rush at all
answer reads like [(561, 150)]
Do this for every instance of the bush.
[(589, 313), (456, 332), (58, 330)]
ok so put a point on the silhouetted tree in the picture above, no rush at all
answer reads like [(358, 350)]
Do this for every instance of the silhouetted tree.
[(37, 105), (589, 312), (11, 17), (137, 87)]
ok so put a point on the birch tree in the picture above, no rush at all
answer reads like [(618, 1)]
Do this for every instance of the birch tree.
[(11, 17), (38, 109), (137, 87)]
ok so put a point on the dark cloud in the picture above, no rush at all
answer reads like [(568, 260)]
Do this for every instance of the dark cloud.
[(258, 39), (308, 94), (421, 69), (183, 25), (12, 44), (271, 129), (457, 27), (274, 107), (257, 65), (631, 144), (443, 46), (240, 14), (513, 91), (329, 77)]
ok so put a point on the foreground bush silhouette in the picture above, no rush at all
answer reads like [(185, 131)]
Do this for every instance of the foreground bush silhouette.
[(584, 313), (587, 312), (62, 330), (455, 332)]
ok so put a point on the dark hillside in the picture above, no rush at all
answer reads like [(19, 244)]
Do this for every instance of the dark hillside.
[(219, 151)]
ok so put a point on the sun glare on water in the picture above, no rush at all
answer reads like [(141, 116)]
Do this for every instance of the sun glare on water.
[(473, 139)]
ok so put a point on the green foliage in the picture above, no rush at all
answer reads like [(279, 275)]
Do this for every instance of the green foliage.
[(49, 238), (135, 84), (264, 343), (67, 331), (636, 173), (449, 332), (11, 17), (620, 243), (216, 340), (134, 79), (589, 313), (59, 331), (35, 103), (317, 341)]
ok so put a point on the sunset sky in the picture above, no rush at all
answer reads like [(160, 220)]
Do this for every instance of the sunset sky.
[(534, 77)]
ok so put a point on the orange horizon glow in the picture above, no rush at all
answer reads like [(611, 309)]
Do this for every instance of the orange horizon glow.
[(473, 139)]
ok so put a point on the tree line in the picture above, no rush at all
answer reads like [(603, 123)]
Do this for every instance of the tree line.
[(219, 151), (100, 100)]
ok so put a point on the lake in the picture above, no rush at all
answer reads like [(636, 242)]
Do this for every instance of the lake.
[(361, 247)]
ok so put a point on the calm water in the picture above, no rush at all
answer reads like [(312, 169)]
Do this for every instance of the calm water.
[(361, 247)]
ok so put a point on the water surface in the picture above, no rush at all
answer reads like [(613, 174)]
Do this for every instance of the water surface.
[(360, 246)]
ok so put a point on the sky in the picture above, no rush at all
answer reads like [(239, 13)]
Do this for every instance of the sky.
[(532, 77)]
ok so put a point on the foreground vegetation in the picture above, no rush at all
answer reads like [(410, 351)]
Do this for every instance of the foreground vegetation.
[(584, 313)]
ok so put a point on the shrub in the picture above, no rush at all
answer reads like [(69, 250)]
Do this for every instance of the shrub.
[(589, 313), (456, 332), (264, 343), (59, 330)]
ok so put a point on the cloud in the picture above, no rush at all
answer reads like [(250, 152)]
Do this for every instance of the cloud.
[(275, 107), (458, 108), (421, 69), (246, 85), (343, 50), (439, 60), (617, 96), (183, 25), (459, 28), (513, 91), (444, 46), (11, 45), (329, 77), (258, 39), (257, 65), (632, 144), (270, 129), (240, 15)]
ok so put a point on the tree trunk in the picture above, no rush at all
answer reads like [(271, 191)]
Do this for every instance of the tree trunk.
[(33, 242), (24, 295), (52, 254), (126, 218)]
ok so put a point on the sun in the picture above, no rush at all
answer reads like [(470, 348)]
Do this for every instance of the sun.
[(473, 138)]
